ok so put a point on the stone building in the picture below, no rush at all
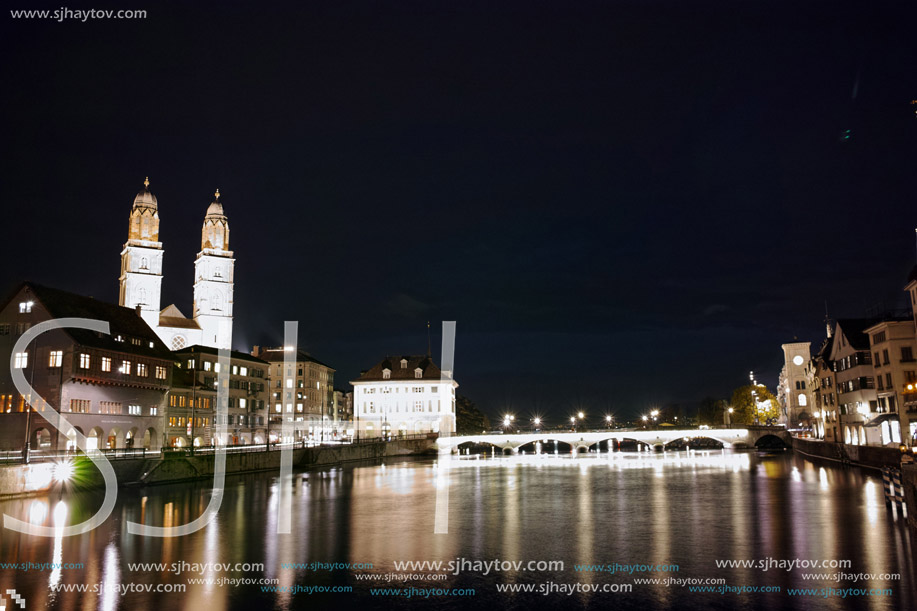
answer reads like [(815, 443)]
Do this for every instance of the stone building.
[(194, 396), (111, 387), (304, 395), (404, 395), (797, 390), (141, 277)]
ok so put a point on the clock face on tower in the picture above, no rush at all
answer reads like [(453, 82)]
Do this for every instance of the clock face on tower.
[(797, 360)]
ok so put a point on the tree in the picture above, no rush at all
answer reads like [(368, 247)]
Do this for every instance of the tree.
[(754, 403), (711, 411), (468, 418)]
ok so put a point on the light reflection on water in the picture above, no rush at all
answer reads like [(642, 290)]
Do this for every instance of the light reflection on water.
[(686, 508)]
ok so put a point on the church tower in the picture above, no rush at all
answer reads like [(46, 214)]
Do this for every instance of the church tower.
[(213, 273), (141, 259)]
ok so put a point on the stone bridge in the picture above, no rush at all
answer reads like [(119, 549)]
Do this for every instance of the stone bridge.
[(657, 439)]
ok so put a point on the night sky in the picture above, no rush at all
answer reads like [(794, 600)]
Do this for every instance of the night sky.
[(622, 204)]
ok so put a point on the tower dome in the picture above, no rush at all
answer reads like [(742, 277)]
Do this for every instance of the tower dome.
[(144, 220), (215, 233), (145, 199)]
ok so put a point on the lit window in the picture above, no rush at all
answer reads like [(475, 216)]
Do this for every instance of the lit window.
[(25, 307), (134, 410), (242, 403), (208, 365), (154, 411), (243, 371), (106, 363), (235, 370), (418, 373), (386, 374), (142, 370), (125, 367), (299, 407), (22, 360), (216, 367), (277, 408), (289, 382), (160, 372), (84, 361), (55, 358)]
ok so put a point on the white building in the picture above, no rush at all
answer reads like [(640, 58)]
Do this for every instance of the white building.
[(798, 391), (141, 277), (404, 395)]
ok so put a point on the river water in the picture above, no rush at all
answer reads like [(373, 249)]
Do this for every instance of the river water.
[(671, 516)]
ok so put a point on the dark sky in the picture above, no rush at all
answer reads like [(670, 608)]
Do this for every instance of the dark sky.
[(620, 203)]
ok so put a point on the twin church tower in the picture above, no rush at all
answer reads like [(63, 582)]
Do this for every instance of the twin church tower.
[(141, 277)]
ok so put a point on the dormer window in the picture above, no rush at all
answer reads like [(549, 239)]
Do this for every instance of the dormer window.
[(418, 373), (404, 363), (386, 374), (25, 307)]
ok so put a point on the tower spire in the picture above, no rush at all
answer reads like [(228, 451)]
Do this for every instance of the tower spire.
[(146, 182), (217, 195)]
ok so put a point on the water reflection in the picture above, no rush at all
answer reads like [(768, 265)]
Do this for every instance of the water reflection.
[(686, 508)]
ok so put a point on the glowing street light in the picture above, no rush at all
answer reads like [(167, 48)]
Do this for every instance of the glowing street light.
[(63, 472), (536, 421)]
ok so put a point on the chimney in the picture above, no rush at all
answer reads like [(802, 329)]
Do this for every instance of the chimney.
[(137, 309), (256, 351)]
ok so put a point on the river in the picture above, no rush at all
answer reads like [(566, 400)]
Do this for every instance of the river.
[(546, 523)]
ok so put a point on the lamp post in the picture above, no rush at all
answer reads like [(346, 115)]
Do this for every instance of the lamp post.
[(608, 421), (728, 416), (537, 422)]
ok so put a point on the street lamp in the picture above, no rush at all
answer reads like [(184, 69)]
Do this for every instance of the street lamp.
[(608, 420), (729, 416), (508, 421), (536, 421), (644, 421)]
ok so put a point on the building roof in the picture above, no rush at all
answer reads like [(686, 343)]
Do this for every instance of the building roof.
[(144, 198), (854, 329), (233, 354), (825, 351), (393, 364), (277, 355), (124, 322), (172, 317)]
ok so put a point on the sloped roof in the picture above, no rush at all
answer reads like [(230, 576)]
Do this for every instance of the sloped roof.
[(122, 321), (393, 363), (854, 330), (171, 316)]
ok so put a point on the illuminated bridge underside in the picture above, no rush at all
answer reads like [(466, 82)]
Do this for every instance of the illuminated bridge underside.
[(730, 438)]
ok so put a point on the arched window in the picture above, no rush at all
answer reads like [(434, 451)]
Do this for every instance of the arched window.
[(144, 263), (802, 400), (216, 302), (141, 296)]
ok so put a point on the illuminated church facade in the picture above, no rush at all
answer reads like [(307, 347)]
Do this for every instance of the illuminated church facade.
[(141, 277)]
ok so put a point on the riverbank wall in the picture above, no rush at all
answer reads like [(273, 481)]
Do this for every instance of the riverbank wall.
[(872, 457), (39, 478)]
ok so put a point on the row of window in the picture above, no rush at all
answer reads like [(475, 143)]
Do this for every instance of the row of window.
[(177, 400), (387, 390), (19, 328), (236, 370), (370, 407), (84, 406), (56, 357), (907, 356)]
